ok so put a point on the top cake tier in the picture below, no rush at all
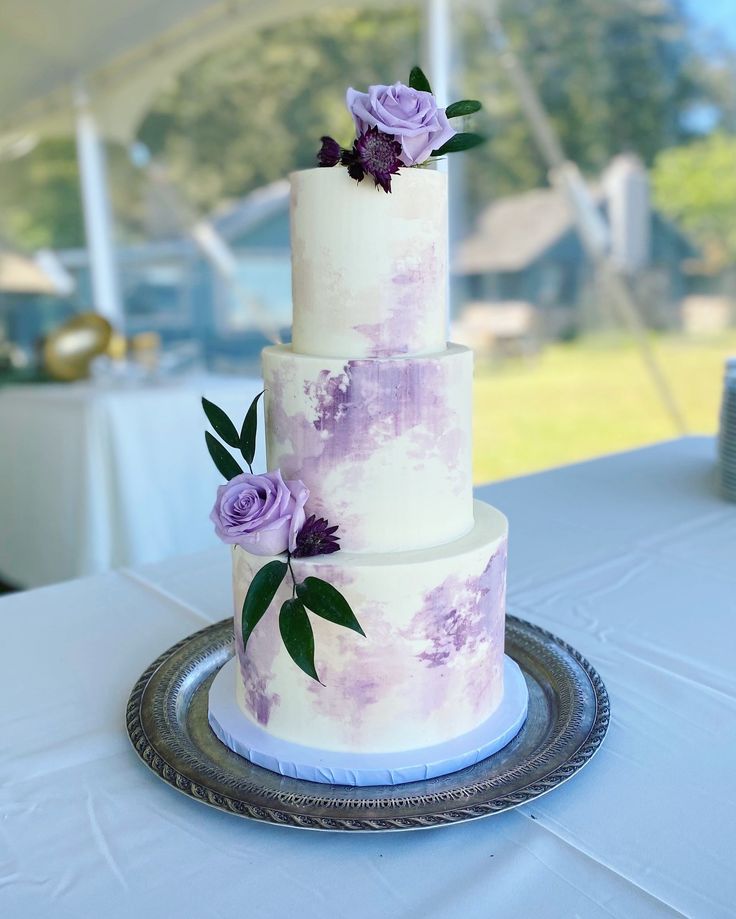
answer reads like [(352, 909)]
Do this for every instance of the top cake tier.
[(369, 270)]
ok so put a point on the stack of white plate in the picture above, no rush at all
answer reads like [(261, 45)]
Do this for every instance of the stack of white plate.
[(727, 433)]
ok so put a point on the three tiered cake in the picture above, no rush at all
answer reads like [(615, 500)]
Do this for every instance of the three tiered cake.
[(370, 410)]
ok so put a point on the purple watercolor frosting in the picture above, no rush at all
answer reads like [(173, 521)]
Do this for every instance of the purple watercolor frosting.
[(458, 635), (413, 283), (397, 303), (443, 666), (461, 623), (356, 413), (256, 666), (459, 615), (257, 677), (361, 674)]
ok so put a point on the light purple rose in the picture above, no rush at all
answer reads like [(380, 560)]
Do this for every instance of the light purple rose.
[(409, 114), (261, 513)]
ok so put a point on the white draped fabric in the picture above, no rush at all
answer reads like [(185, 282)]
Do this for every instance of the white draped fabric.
[(629, 558), (121, 53), (94, 477)]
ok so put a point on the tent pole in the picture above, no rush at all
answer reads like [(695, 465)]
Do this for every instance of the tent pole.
[(436, 54), (437, 47), (97, 223), (592, 229)]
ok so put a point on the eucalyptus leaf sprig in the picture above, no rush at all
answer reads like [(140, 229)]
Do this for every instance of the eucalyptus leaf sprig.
[(313, 594), (309, 595), (245, 441), (463, 140)]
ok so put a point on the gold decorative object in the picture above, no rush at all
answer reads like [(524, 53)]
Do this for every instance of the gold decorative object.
[(69, 350), (118, 347), (145, 349)]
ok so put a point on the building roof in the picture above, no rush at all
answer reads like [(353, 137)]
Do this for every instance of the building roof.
[(513, 232)]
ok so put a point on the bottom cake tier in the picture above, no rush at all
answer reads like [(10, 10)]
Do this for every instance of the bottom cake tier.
[(429, 668)]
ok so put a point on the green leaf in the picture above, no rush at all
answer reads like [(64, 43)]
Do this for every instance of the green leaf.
[(297, 635), (221, 458), (260, 594), (326, 601), (221, 424), (417, 80), (460, 142), (247, 440), (465, 107)]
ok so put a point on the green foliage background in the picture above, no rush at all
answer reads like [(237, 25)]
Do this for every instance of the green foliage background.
[(696, 186), (619, 75)]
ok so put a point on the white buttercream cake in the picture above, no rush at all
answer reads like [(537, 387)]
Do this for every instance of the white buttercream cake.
[(371, 410)]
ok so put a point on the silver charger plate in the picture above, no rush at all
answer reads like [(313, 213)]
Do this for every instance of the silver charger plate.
[(567, 720)]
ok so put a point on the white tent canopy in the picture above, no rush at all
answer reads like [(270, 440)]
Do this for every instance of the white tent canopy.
[(118, 52), (94, 66)]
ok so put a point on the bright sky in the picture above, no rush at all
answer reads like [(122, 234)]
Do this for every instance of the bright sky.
[(716, 15), (717, 19)]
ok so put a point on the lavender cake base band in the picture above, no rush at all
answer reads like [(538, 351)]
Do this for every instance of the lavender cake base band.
[(242, 735)]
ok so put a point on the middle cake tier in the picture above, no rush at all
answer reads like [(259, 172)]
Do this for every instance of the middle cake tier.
[(383, 444)]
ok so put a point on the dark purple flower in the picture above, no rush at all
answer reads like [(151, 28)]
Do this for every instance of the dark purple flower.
[(316, 537), (351, 159), (329, 154), (377, 154)]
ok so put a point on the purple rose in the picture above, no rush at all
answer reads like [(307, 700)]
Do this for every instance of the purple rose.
[(409, 114), (261, 513)]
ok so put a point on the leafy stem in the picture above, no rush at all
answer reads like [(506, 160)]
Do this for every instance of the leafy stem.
[(291, 572), (312, 594), (247, 437), (244, 440)]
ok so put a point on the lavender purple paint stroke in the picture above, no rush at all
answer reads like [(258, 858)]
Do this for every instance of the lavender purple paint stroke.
[(350, 420), (403, 328), (460, 615)]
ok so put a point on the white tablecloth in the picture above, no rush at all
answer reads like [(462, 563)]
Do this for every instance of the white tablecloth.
[(629, 558), (96, 477)]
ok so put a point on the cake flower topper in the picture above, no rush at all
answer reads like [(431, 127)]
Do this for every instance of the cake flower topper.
[(266, 516), (398, 126)]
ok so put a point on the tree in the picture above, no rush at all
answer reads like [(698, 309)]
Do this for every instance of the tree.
[(40, 204), (243, 116), (251, 113), (613, 75), (696, 185)]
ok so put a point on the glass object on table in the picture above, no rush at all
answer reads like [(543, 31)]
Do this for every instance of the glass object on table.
[(727, 433), (145, 352)]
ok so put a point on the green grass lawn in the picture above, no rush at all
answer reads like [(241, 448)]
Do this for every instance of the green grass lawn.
[(591, 397)]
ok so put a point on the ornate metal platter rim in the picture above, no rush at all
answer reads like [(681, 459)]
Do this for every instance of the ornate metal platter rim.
[(568, 719)]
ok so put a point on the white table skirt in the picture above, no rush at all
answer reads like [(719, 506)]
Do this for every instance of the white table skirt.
[(629, 558), (94, 477)]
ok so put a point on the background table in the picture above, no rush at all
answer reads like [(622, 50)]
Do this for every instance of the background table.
[(93, 477), (630, 558)]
